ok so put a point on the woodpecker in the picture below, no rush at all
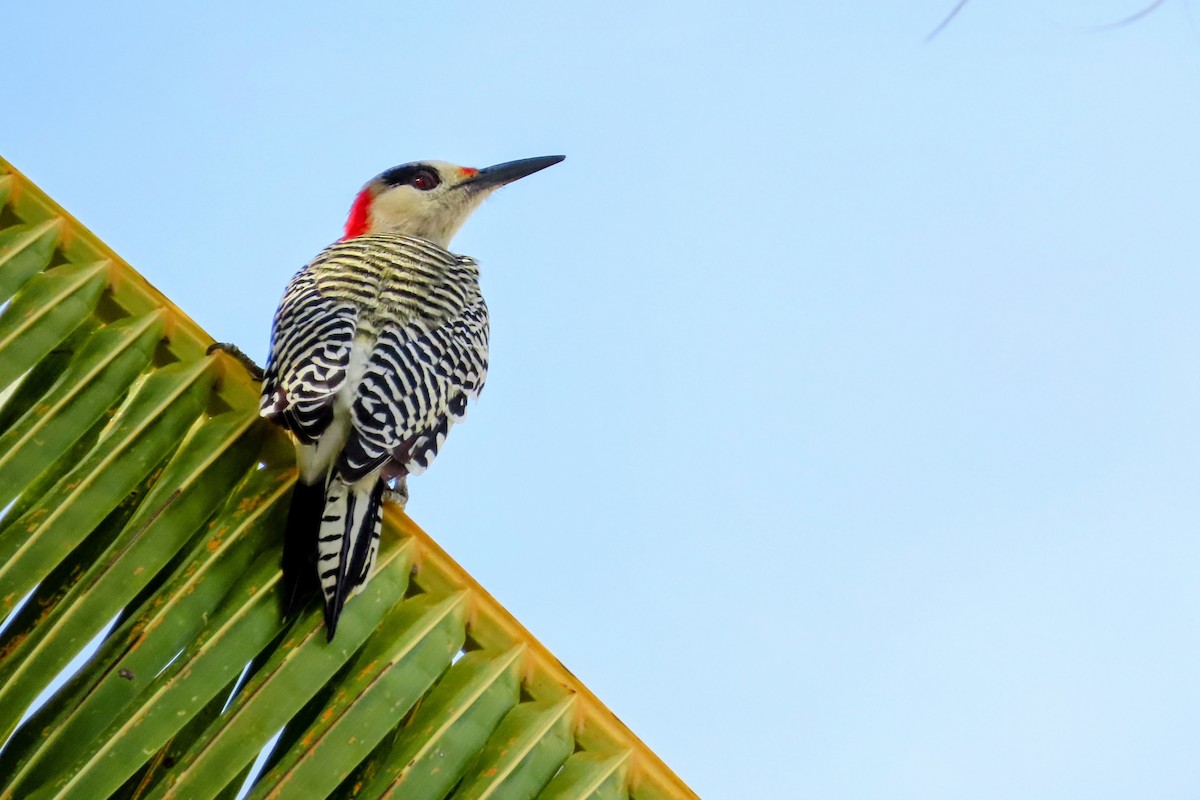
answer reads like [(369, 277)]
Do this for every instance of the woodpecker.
[(378, 345)]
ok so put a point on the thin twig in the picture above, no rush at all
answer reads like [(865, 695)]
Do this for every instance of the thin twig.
[(1145, 12), (949, 17), (1140, 15)]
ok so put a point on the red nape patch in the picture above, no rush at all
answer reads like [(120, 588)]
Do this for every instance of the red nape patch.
[(360, 216)]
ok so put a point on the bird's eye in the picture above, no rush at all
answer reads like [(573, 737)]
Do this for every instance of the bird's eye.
[(425, 180)]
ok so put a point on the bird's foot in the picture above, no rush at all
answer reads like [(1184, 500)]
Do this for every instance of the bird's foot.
[(397, 490), (256, 372)]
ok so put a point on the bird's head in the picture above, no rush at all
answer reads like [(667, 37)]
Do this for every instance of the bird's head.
[(431, 199)]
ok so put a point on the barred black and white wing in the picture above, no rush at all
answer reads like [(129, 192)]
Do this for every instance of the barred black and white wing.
[(311, 342), (417, 384), (312, 338)]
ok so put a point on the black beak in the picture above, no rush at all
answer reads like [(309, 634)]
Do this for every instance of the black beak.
[(500, 174)]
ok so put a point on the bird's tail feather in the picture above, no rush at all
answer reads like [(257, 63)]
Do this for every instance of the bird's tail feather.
[(347, 541), (300, 545)]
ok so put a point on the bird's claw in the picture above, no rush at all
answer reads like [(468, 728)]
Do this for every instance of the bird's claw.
[(256, 372), (396, 491)]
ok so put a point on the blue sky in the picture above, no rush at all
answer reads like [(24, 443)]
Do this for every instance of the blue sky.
[(841, 431)]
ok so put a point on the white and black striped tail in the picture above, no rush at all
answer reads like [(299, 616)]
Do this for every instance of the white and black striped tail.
[(348, 541)]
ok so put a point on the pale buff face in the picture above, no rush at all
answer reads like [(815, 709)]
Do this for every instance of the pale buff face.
[(431, 199), (435, 214)]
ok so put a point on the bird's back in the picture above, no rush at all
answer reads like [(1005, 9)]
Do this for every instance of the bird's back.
[(395, 279)]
